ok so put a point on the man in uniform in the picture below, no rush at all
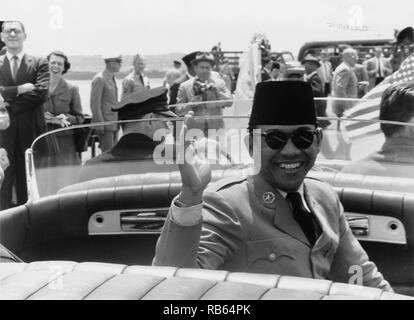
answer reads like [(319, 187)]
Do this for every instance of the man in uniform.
[(104, 95), (311, 65), (345, 82), (275, 221), (135, 148)]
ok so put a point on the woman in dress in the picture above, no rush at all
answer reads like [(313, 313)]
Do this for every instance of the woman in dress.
[(62, 109)]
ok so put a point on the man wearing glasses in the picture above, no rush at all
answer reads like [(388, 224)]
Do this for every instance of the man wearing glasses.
[(275, 221), (24, 83)]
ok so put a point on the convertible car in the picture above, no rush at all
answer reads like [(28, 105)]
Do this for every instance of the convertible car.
[(91, 224)]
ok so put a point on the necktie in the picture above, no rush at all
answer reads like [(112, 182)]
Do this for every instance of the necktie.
[(302, 216), (379, 68), (142, 80), (15, 67)]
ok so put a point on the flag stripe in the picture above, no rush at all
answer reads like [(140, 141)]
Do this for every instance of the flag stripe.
[(370, 110)]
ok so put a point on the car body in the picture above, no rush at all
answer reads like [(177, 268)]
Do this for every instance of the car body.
[(101, 232)]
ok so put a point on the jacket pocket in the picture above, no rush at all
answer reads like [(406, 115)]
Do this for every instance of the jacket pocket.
[(269, 251)]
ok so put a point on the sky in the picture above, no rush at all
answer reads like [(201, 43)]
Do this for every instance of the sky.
[(86, 27)]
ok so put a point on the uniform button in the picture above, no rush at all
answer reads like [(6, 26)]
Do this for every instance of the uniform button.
[(272, 256)]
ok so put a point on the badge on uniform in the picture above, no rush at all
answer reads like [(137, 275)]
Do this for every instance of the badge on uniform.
[(269, 197)]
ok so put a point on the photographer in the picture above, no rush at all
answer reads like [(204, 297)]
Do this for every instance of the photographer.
[(204, 87)]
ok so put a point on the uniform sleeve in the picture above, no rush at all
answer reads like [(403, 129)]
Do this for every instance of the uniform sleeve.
[(206, 245), (351, 260), (96, 98)]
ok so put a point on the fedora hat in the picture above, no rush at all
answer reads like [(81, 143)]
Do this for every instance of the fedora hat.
[(312, 59)]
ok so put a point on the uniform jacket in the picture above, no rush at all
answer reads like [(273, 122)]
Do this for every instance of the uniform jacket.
[(344, 85), (395, 159), (240, 232), (65, 99), (25, 110), (186, 94), (132, 83), (104, 95)]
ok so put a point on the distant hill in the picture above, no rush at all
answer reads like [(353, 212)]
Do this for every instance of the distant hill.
[(84, 67)]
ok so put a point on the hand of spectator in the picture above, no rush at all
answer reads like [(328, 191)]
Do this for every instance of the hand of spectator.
[(25, 88)]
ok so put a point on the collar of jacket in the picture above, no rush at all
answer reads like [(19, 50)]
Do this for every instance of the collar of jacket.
[(61, 87), (283, 218)]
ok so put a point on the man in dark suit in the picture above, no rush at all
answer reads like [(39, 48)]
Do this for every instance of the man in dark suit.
[(311, 65), (24, 82), (266, 67), (186, 76), (134, 152), (274, 221)]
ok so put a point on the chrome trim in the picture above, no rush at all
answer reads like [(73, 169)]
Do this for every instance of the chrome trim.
[(384, 229)]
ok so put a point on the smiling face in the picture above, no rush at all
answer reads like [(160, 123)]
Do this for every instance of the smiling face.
[(56, 65), (286, 168), (13, 36)]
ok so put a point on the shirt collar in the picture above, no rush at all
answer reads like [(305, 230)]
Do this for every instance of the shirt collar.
[(19, 55), (300, 191)]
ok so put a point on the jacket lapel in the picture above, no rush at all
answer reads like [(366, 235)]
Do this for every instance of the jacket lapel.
[(283, 218), (327, 234), (24, 66), (60, 88), (5, 71)]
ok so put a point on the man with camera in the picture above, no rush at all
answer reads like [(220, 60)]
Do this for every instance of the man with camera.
[(204, 87)]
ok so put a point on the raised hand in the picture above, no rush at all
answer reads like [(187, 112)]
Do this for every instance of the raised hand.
[(194, 168)]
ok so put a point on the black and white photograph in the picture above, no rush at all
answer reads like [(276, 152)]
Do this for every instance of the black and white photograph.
[(207, 154)]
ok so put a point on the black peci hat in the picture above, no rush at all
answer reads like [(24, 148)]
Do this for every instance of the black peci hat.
[(139, 103), (283, 103)]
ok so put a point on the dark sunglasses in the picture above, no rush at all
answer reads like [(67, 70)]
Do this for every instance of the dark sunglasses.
[(301, 138)]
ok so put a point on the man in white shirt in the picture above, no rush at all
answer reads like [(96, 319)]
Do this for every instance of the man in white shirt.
[(378, 68), (275, 221)]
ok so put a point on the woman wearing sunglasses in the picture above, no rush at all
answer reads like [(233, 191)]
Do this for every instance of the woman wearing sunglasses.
[(274, 221)]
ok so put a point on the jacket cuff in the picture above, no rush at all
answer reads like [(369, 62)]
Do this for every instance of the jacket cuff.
[(186, 217)]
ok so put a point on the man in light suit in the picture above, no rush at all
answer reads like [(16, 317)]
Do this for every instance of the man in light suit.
[(275, 221), (204, 87), (104, 95), (378, 68), (345, 82), (24, 83)]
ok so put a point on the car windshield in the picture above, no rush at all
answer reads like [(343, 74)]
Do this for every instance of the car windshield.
[(354, 152)]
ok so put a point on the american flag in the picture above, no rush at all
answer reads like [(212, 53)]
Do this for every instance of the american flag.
[(368, 109)]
